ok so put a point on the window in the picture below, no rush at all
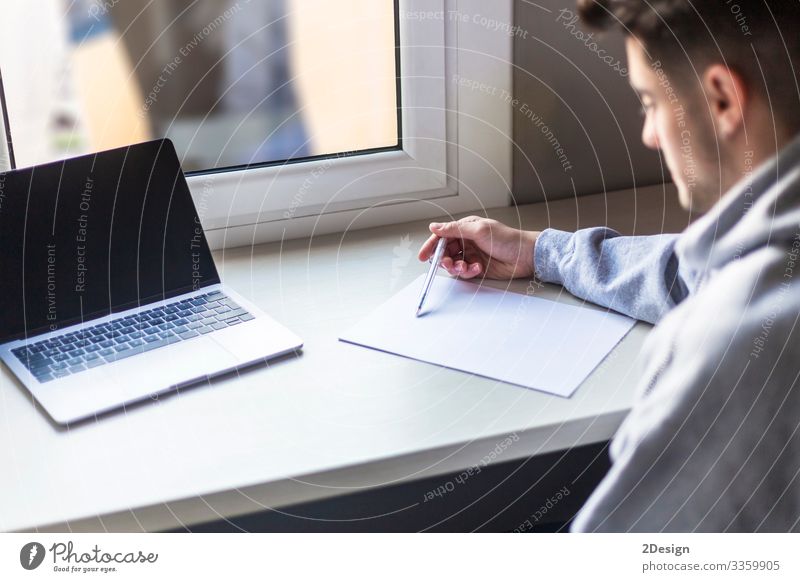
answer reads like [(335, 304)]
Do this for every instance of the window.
[(291, 116), (232, 82)]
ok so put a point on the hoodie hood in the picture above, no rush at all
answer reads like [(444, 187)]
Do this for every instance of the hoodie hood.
[(763, 209)]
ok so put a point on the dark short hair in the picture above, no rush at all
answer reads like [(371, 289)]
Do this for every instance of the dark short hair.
[(759, 39)]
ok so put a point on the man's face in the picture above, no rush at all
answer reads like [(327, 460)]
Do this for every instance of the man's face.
[(673, 126)]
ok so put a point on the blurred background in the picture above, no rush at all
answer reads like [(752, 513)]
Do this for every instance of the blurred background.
[(230, 82)]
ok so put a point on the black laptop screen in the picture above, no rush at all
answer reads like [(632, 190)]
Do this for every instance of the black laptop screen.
[(94, 235)]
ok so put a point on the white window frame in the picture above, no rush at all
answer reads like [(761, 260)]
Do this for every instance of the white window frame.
[(457, 142), (5, 157)]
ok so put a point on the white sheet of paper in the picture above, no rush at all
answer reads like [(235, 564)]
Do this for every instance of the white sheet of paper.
[(506, 336)]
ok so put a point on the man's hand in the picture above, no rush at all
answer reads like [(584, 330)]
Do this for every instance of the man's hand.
[(482, 246)]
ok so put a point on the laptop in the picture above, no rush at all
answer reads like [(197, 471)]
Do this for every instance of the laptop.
[(108, 291)]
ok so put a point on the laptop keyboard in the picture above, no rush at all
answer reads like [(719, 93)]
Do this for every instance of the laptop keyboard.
[(122, 338)]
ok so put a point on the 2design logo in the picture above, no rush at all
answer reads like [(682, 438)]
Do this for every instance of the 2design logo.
[(31, 555)]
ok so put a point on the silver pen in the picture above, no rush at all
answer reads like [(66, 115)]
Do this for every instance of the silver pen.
[(437, 258)]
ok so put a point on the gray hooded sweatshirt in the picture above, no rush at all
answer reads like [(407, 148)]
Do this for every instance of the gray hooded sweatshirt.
[(712, 442)]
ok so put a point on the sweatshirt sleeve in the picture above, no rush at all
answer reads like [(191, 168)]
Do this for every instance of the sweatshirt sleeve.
[(634, 275)]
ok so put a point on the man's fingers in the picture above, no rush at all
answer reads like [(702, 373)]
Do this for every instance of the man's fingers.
[(447, 265), (427, 248), (465, 270), (461, 269), (474, 270), (458, 229), (453, 249), (459, 232)]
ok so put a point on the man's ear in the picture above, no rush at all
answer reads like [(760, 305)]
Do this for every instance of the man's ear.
[(727, 98)]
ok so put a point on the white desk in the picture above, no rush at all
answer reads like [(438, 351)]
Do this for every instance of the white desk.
[(336, 419)]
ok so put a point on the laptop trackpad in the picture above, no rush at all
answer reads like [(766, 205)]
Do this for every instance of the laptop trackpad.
[(172, 365)]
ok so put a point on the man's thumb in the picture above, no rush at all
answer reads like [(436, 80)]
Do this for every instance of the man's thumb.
[(446, 229)]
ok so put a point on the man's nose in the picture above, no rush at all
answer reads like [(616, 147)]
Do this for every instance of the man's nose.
[(649, 136)]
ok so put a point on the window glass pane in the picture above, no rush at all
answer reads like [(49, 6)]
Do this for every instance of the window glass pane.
[(231, 82)]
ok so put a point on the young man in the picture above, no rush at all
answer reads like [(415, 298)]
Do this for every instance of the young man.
[(713, 440)]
